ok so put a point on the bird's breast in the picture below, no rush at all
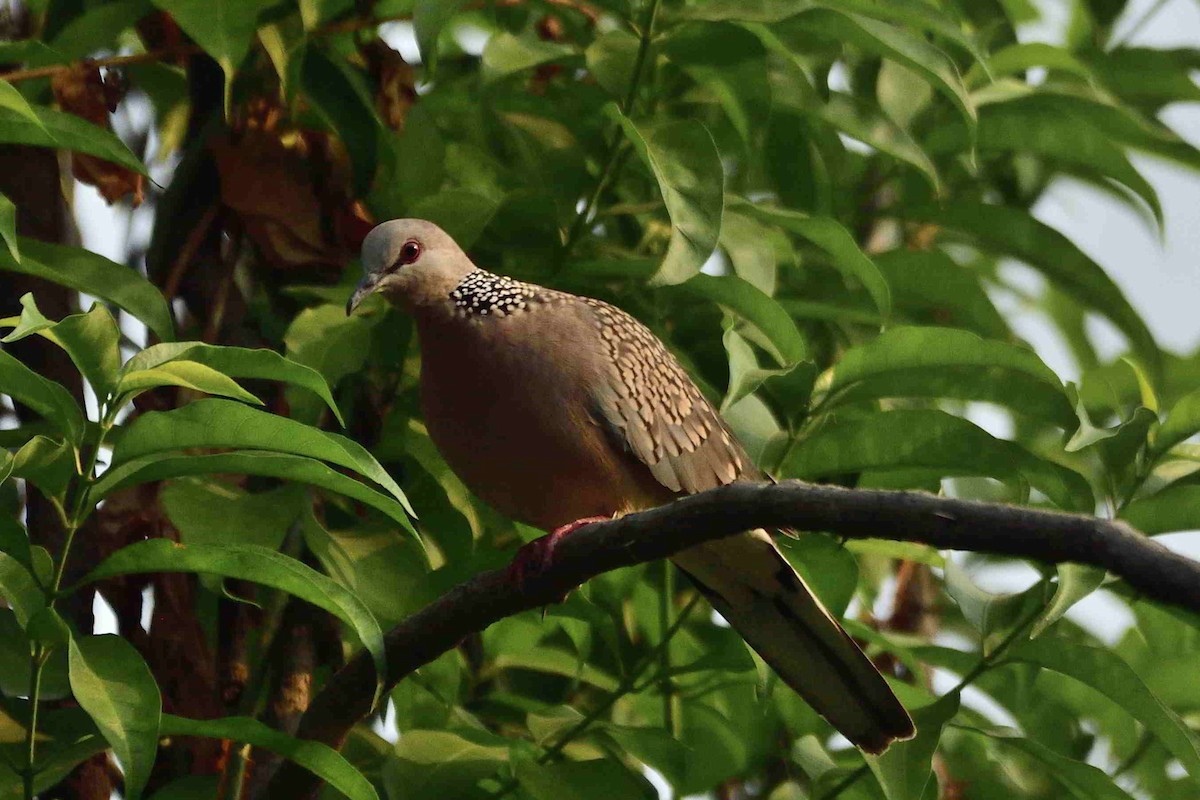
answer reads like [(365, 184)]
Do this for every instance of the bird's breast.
[(509, 405)]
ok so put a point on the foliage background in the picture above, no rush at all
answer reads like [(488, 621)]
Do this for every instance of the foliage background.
[(848, 326)]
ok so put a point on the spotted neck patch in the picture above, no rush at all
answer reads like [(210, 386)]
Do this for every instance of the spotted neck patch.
[(484, 294)]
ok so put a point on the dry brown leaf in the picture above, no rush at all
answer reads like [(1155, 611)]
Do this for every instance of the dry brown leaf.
[(84, 92), (397, 83), (269, 186)]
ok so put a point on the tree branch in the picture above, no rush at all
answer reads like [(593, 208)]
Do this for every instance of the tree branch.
[(1051, 537)]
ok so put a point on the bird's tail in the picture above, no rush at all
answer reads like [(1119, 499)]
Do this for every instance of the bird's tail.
[(751, 584)]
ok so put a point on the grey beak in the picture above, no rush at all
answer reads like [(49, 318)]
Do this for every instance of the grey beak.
[(365, 288)]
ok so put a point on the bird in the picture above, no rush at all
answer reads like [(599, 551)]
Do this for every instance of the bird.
[(558, 410)]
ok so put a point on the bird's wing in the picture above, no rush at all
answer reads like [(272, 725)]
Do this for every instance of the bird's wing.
[(653, 410)]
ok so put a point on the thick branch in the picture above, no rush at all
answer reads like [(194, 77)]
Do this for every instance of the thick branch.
[(1051, 537)]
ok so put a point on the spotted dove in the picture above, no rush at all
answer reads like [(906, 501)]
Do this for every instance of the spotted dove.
[(554, 408)]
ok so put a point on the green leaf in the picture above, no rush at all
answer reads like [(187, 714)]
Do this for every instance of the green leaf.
[(1041, 126), (1127, 126), (743, 11), (905, 770), (599, 779), (429, 18), (552, 661), (222, 423), (918, 15), (55, 765), (224, 28), (94, 274), (12, 100), (47, 463), (189, 375), (45, 397), (930, 288), (1104, 671), (828, 568), (48, 627), (462, 214), (986, 612), (255, 564), (506, 54), (20, 589), (58, 129), (654, 747), (442, 763), (111, 681), (160, 466), (1151, 76), (610, 59), (14, 539), (753, 249), (15, 649), (865, 122), (319, 759), (730, 62), (1121, 446), (898, 44), (745, 375), (239, 362), (687, 167), (1182, 422), (389, 574), (944, 362), (1175, 508), (92, 340), (401, 181), (785, 342), (98, 27), (829, 235), (335, 93), (1075, 582), (1017, 58), (908, 551), (8, 227), (1015, 232), (929, 439), (209, 512), (1083, 781)]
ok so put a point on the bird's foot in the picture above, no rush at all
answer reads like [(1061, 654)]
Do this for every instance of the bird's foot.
[(533, 558)]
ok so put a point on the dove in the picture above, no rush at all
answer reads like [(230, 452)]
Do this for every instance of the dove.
[(558, 410)]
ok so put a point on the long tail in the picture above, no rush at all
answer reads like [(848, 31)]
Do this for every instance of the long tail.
[(751, 584)]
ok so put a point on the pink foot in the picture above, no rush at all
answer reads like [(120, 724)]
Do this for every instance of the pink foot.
[(535, 557)]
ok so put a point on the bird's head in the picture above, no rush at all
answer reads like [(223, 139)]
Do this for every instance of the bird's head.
[(411, 262)]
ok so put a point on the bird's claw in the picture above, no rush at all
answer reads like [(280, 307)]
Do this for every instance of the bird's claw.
[(534, 558)]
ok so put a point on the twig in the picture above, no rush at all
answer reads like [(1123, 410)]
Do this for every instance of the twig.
[(627, 685), (985, 663), (941, 522), (666, 602), (162, 54), (613, 153), (186, 253)]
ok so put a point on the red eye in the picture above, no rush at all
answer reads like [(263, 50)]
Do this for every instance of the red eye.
[(410, 251)]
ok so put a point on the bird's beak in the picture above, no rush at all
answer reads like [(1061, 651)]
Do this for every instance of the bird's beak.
[(365, 288)]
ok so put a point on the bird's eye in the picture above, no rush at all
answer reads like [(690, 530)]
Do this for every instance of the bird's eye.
[(410, 251)]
